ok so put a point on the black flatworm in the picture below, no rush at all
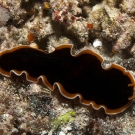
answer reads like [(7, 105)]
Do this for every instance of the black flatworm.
[(75, 75)]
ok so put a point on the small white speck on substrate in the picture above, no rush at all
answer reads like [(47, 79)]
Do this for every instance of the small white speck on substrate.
[(83, 111), (15, 130), (97, 43), (61, 133), (5, 115), (33, 114), (34, 45), (20, 110), (60, 108), (66, 129), (43, 132), (69, 134)]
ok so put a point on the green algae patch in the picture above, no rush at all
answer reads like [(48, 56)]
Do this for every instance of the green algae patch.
[(64, 119)]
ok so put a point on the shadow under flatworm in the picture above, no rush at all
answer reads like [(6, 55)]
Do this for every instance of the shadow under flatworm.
[(82, 74)]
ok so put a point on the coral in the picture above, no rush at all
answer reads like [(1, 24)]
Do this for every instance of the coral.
[(53, 42), (4, 15), (128, 6), (64, 119), (115, 25), (69, 14), (65, 11)]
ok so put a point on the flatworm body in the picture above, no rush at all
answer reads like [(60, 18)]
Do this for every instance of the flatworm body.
[(78, 75)]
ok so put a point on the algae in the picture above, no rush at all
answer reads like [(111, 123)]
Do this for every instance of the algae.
[(64, 119)]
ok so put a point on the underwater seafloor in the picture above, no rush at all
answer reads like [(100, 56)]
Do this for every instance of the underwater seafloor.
[(105, 26)]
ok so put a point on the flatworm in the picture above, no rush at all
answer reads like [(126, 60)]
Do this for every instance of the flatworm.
[(76, 75)]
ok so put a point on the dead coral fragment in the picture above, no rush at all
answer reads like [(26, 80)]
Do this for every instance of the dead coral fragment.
[(4, 15), (128, 6), (123, 42)]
